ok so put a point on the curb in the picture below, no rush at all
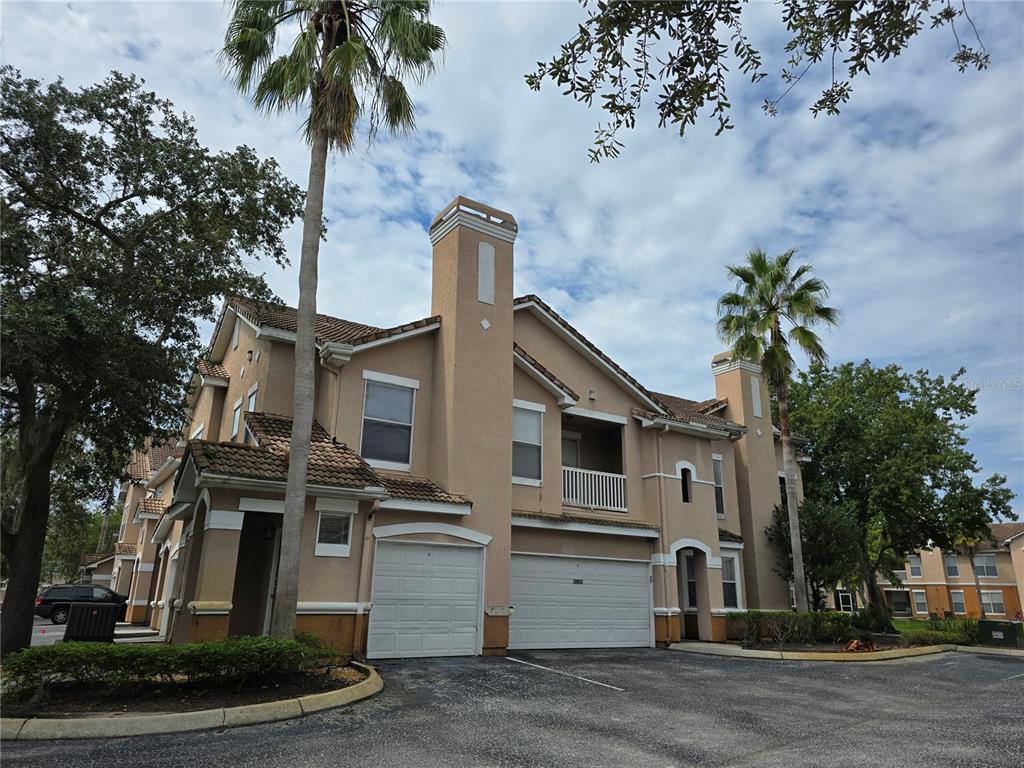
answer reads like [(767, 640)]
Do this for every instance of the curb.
[(180, 722), (716, 649)]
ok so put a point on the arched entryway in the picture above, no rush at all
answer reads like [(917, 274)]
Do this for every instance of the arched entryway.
[(693, 558)]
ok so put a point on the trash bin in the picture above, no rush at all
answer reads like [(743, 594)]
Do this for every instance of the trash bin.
[(92, 622), (1005, 634)]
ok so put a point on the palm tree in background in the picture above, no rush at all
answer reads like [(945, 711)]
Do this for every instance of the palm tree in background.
[(349, 59), (772, 310)]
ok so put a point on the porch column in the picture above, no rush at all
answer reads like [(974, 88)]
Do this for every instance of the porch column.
[(667, 613), (138, 594), (209, 606)]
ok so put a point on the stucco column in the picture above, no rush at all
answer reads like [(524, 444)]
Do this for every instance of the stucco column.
[(667, 613), (138, 594), (209, 606)]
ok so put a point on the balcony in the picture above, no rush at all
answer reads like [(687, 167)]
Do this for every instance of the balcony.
[(591, 489)]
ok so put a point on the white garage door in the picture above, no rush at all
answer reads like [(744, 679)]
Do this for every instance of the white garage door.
[(565, 602), (426, 601)]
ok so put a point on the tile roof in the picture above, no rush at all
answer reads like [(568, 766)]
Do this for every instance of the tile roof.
[(567, 517), (330, 462), (543, 371), (327, 328), (143, 463), (531, 298), (206, 368), (1003, 531), (121, 548), (692, 410), (150, 507), (724, 535), (418, 489), (93, 559)]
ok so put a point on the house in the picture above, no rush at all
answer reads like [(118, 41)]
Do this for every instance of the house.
[(480, 480), (938, 582)]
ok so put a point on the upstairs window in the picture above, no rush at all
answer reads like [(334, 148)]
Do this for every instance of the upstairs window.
[(236, 420), (716, 468), (914, 563), (686, 476), (952, 567), (986, 565), (527, 442), (783, 496), (387, 421)]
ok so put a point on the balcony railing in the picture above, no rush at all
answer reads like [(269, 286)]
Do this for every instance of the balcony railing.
[(593, 490)]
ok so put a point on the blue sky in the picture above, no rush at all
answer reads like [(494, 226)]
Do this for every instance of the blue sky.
[(910, 204)]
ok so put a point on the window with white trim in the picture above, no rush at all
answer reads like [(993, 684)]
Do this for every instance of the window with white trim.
[(250, 401), (527, 444), (691, 581), (333, 534), (236, 419), (716, 469), (956, 597), (686, 478), (986, 566), (846, 602), (197, 433), (952, 567), (730, 582), (920, 601), (914, 564), (992, 602), (387, 424)]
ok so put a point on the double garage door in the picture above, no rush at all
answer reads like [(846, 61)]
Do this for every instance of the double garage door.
[(566, 602), (427, 601)]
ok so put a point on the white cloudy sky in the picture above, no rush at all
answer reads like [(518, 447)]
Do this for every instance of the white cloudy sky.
[(911, 204)]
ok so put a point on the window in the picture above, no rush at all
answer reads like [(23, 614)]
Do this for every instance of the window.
[(755, 397), (236, 419), (197, 433), (485, 273), (846, 602), (527, 442), (571, 449), (920, 601), (686, 476), (992, 602), (952, 568), (691, 582), (782, 492), (986, 565), (387, 422), (333, 534), (914, 563), (956, 596), (716, 468), (730, 588), (234, 333), (250, 402)]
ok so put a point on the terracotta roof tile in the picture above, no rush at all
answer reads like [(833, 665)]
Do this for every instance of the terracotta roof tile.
[(143, 463), (121, 548), (544, 371), (692, 410), (91, 559), (724, 535), (1003, 531), (206, 368), (150, 507), (568, 517), (418, 489)]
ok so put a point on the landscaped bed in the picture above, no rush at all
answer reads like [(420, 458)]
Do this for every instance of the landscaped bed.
[(70, 679)]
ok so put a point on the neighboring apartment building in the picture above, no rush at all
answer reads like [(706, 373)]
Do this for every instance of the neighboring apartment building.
[(484, 479), (941, 583)]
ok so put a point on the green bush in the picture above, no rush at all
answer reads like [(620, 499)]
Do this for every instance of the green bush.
[(789, 628), (941, 632), (236, 661)]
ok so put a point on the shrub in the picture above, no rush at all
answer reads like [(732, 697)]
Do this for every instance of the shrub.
[(235, 661), (789, 628), (942, 632)]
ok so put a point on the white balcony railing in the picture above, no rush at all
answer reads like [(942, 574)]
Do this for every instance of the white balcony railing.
[(593, 490)]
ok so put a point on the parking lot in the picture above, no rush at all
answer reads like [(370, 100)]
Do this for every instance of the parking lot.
[(623, 708)]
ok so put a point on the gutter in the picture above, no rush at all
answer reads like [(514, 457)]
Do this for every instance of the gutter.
[(370, 492)]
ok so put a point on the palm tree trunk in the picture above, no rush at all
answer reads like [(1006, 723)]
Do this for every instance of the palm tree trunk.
[(792, 504), (977, 581), (303, 404)]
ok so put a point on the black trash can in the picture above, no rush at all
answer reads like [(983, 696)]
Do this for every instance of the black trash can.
[(92, 622), (1004, 634)]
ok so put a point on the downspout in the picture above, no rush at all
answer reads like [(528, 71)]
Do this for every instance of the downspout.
[(663, 522), (365, 579)]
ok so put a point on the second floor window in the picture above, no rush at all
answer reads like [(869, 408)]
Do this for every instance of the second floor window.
[(716, 468), (527, 445), (986, 565), (914, 563), (236, 420), (387, 425), (952, 568), (687, 478)]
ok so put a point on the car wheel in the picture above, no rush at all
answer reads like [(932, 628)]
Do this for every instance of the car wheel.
[(59, 616)]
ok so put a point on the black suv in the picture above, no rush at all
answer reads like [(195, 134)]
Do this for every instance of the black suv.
[(55, 602)]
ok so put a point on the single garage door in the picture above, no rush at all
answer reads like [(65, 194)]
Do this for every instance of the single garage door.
[(566, 602), (426, 601)]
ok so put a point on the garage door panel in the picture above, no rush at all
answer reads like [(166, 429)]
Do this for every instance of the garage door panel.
[(426, 601), (564, 602)]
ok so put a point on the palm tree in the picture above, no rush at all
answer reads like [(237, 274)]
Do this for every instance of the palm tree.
[(772, 310), (349, 58)]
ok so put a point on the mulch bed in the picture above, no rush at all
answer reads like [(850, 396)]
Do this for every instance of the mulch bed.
[(881, 644), (151, 698)]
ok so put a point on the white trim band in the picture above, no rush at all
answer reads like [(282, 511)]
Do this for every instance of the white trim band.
[(332, 608), (405, 529), (557, 525)]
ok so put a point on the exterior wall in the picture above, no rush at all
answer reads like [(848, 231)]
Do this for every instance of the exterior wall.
[(1017, 566)]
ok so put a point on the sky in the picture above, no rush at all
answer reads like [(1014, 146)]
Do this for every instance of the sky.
[(910, 204)]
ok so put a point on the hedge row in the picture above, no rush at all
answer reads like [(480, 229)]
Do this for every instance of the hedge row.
[(942, 632), (788, 628), (235, 661)]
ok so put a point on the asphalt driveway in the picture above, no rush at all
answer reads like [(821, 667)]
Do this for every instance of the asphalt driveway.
[(635, 708)]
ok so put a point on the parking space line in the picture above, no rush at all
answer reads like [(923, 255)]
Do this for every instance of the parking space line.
[(566, 674)]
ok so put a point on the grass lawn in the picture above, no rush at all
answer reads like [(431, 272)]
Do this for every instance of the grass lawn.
[(909, 625)]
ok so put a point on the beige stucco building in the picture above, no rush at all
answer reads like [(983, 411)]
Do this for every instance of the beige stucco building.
[(482, 479)]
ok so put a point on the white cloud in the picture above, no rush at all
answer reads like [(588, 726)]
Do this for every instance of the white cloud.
[(910, 204)]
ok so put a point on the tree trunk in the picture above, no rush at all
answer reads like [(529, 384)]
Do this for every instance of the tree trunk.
[(792, 504), (977, 581), (24, 549), (287, 596)]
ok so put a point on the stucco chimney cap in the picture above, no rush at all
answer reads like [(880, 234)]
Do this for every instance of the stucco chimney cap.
[(472, 207)]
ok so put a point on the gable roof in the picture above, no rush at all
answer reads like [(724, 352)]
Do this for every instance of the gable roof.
[(147, 460), (693, 411), (1003, 532), (535, 368)]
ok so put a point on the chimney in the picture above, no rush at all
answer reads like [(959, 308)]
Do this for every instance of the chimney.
[(471, 420)]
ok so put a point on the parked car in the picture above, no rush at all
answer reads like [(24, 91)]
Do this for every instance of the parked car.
[(54, 603)]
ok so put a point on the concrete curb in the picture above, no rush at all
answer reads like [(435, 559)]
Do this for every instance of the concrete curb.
[(178, 722), (714, 649)]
